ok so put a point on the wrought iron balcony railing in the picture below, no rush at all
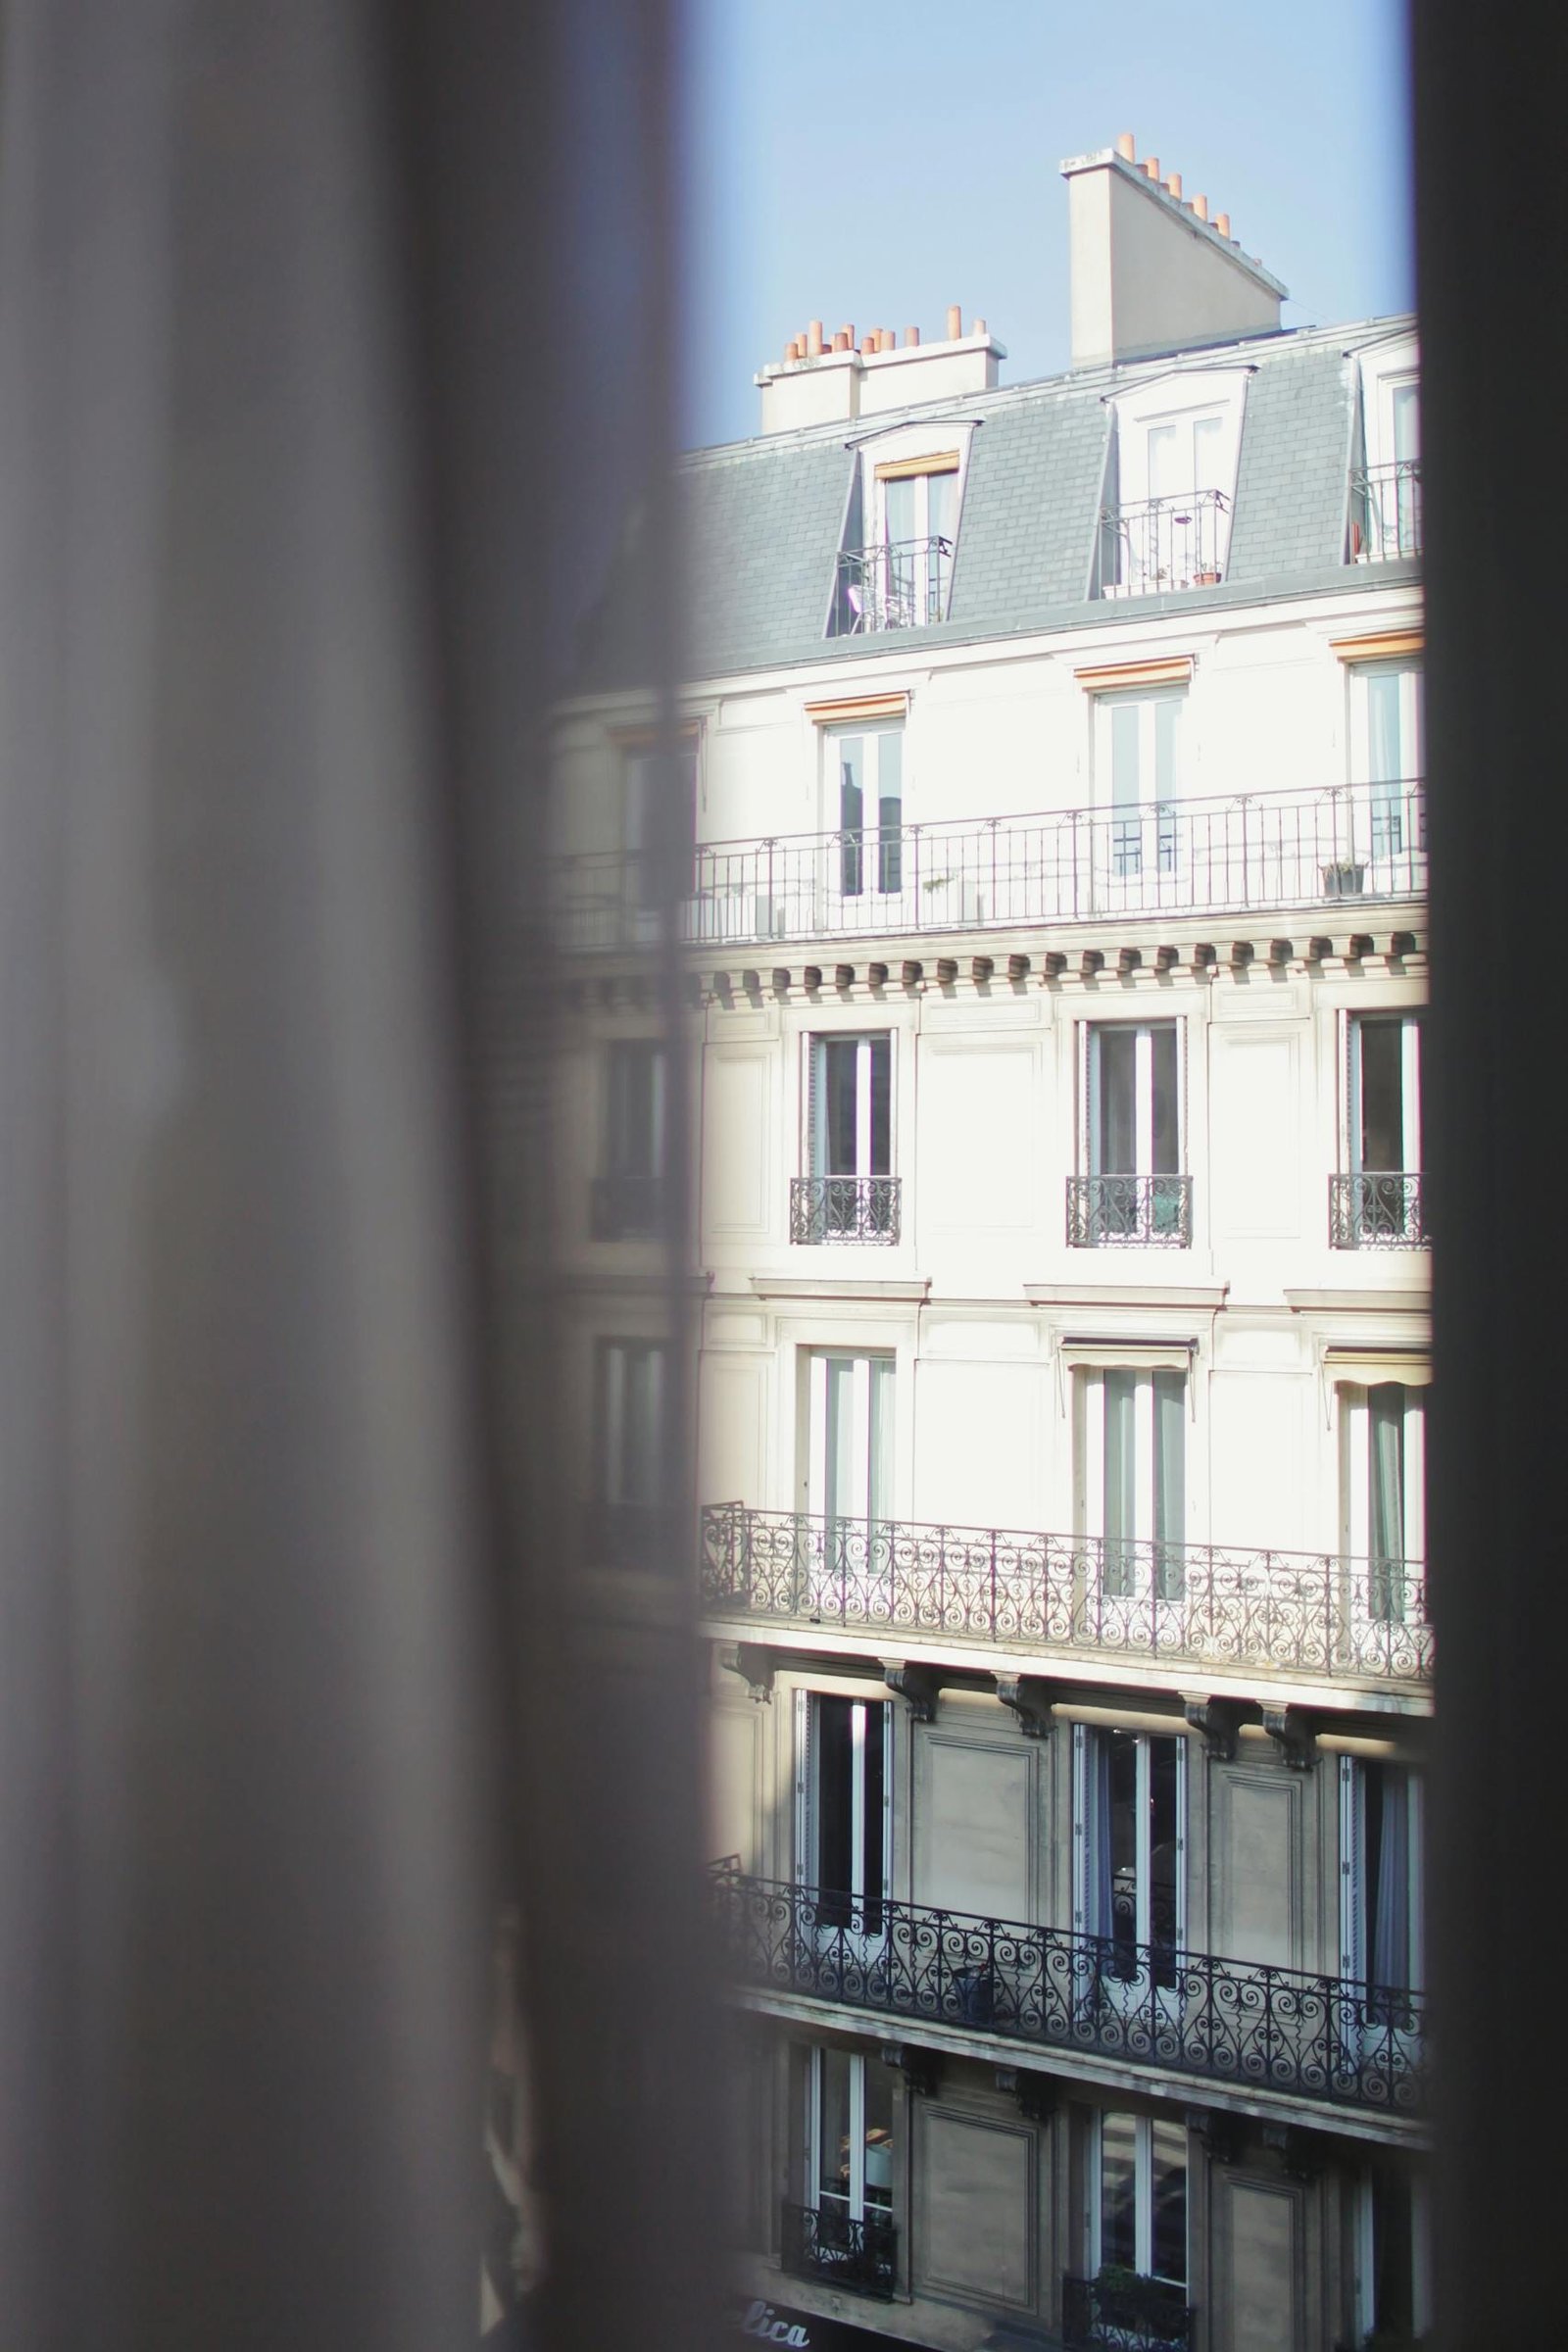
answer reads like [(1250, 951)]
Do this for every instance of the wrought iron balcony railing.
[(1240, 854), (1130, 2314), (1255, 2028), (1386, 511), (845, 1208), (1376, 1208), (1147, 1213), (1158, 544), (624, 1208), (900, 584), (1317, 1614), (844, 2249)]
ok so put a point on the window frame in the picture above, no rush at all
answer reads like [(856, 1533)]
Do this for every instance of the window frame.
[(880, 851), (1142, 2195), (912, 453), (1166, 1579), (1189, 396), (857, 2206)]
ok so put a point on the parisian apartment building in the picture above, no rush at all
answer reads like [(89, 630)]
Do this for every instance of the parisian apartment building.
[(1053, 956)]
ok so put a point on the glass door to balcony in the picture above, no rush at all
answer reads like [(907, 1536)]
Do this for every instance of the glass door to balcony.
[(866, 879), (1381, 1938), (1383, 1201), (1384, 851), (1138, 2232), (1129, 1830), (849, 1483), (849, 2170), (1383, 1468), (844, 1796), (1133, 1192), (1137, 841), (1133, 1510)]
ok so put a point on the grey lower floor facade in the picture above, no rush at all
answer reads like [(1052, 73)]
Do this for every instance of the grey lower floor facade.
[(918, 2196)]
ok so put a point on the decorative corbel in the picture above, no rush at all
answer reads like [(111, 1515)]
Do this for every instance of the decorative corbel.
[(1017, 968), (1291, 1734), (1218, 1720), (753, 1664), (1220, 2133), (920, 2069), (1301, 2151), (1029, 1699), (1037, 2095), (981, 969), (918, 1685)]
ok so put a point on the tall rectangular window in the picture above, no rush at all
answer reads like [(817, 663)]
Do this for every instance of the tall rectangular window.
[(1383, 1480), (849, 1443), (850, 2133), (1139, 2192), (1388, 751), (916, 508), (866, 808), (626, 1194), (850, 1113), (1133, 1506), (1132, 1189), (1138, 750), (1129, 1813), (845, 1790), (1384, 1078), (1381, 1838), (631, 1437)]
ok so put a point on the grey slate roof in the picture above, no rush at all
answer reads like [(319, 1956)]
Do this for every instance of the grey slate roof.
[(763, 517)]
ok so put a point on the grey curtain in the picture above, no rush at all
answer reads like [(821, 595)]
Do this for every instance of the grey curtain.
[(330, 369)]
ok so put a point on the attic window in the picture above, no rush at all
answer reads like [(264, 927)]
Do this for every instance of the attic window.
[(1386, 487), (901, 533), (1170, 484)]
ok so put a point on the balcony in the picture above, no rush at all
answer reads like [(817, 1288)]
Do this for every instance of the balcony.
[(1160, 544), (1255, 2028), (845, 1208), (1243, 853), (626, 1208), (1386, 511), (1140, 1213), (1123, 2312), (1377, 1209), (1315, 1614), (902, 584), (822, 2242)]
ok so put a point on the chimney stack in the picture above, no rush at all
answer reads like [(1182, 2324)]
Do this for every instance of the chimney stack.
[(823, 381), (1150, 273)]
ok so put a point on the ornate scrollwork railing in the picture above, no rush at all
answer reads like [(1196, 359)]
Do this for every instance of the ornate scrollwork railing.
[(1124, 2315), (1258, 2028), (1320, 1614), (1147, 1213), (845, 1208), (858, 2251), (1376, 1208), (1239, 854)]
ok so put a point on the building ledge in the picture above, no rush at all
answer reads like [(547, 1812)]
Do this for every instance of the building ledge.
[(1207, 1294), (1414, 1300), (837, 1285)]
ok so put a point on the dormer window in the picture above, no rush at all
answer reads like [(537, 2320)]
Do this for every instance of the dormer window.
[(900, 532), (1170, 483), (1386, 487)]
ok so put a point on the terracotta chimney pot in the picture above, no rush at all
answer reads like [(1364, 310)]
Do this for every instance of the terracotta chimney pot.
[(1201, 207), (813, 338), (955, 322), (1151, 167), (1127, 147), (1222, 222), (1173, 186), (911, 337)]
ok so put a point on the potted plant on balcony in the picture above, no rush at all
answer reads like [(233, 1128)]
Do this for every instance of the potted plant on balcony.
[(1205, 579), (1345, 878)]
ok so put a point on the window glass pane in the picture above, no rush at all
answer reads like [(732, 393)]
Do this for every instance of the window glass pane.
[(1208, 434), (942, 506), (890, 810), (1170, 1482), (1126, 732), (1114, 1065), (852, 812), (1118, 2189), (878, 2133), (1163, 1831), (833, 2147), (1120, 1501), (1164, 1123), (1164, 461), (1167, 725), (1168, 2183), (1385, 1463), (1407, 404), (899, 508), (834, 1858), (879, 1495), (1384, 735), (872, 1859), (1381, 1046), (881, 1061), (1122, 1846), (840, 1056)]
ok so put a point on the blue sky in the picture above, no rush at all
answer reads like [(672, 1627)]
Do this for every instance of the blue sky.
[(876, 160)]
